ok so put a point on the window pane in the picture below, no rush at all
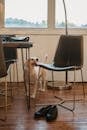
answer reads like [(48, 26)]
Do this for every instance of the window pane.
[(26, 13), (76, 16)]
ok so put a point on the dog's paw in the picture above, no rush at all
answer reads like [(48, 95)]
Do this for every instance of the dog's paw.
[(33, 96), (42, 89)]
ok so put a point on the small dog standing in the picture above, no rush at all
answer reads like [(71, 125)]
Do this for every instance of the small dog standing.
[(37, 76)]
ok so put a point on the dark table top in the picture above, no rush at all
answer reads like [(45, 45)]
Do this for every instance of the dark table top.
[(18, 44)]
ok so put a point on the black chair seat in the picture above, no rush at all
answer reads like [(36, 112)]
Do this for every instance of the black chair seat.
[(53, 68), (18, 39)]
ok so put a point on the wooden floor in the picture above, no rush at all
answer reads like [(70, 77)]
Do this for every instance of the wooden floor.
[(18, 118)]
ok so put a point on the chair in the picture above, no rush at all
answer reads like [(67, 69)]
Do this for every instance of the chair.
[(10, 55), (3, 74), (68, 57), (10, 52)]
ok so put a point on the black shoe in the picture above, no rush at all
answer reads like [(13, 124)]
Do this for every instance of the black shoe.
[(42, 112), (52, 113)]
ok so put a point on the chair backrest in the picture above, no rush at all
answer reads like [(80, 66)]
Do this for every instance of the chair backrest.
[(3, 71), (9, 53), (69, 51), (6, 37)]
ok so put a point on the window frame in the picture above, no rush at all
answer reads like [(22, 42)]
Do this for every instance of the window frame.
[(51, 23)]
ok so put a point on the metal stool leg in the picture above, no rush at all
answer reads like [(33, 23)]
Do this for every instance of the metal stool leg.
[(6, 102), (83, 83), (27, 96)]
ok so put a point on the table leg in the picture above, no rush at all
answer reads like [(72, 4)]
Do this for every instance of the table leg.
[(27, 96)]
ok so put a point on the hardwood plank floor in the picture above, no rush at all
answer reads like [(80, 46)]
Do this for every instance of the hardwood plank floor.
[(18, 118)]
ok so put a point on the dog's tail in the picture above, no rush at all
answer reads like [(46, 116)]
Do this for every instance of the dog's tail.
[(45, 58)]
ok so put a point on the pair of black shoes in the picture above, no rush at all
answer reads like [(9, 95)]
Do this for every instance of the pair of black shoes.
[(50, 113)]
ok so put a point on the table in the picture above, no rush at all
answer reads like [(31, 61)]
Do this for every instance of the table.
[(27, 46)]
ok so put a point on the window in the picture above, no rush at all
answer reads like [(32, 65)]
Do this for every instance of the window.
[(26, 13), (76, 10), (43, 13)]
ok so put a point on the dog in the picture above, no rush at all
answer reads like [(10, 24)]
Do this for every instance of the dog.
[(37, 76)]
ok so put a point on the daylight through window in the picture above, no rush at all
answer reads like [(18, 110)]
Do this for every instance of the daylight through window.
[(75, 13), (26, 13)]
